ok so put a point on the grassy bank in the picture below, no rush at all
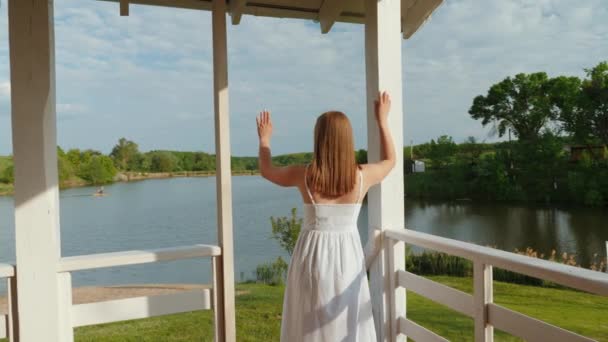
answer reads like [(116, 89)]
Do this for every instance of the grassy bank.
[(259, 315)]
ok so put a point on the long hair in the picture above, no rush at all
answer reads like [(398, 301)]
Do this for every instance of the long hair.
[(333, 169)]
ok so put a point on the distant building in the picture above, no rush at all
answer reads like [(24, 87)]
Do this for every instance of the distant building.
[(596, 152), (418, 166)]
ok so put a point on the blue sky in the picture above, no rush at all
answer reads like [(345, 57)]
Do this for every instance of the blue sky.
[(148, 77)]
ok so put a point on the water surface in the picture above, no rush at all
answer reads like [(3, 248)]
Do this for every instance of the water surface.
[(181, 211)]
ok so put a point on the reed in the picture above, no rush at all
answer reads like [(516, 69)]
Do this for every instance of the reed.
[(430, 263)]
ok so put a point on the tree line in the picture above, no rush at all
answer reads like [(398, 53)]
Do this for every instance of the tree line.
[(559, 154), (88, 166)]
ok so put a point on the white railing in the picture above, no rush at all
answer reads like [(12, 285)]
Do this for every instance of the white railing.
[(7, 320), (138, 307), (480, 305)]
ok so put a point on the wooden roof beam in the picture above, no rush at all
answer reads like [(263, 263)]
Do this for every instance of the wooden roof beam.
[(416, 15), (237, 7), (185, 4), (329, 13), (124, 8)]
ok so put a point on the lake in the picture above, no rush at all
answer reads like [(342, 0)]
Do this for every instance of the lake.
[(181, 211)]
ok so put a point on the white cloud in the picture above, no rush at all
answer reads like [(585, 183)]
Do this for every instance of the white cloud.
[(149, 76), (470, 44)]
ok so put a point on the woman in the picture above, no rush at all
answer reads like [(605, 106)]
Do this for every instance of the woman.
[(327, 296)]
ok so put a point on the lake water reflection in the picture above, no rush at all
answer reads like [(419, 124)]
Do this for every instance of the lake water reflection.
[(180, 211)]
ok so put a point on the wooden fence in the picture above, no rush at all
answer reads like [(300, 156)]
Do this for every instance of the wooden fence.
[(480, 306), (120, 309)]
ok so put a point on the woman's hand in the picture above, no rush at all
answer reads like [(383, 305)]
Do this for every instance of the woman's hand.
[(264, 124), (383, 107)]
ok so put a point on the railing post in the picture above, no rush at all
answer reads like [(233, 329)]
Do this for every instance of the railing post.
[(483, 295), (391, 248), (225, 265), (218, 308), (66, 330), (13, 315), (383, 65)]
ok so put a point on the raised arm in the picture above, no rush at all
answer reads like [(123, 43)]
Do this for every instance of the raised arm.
[(283, 176), (375, 172)]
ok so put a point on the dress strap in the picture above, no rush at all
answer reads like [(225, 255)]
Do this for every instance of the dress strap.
[(360, 186), (306, 184)]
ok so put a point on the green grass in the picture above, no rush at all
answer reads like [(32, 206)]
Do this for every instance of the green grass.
[(572, 310), (259, 315), (258, 319)]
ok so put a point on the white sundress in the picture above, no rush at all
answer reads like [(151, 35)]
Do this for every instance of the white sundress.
[(327, 296)]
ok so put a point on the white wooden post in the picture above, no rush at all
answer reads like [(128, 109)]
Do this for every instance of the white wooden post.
[(32, 61), (65, 306), (13, 317), (225, 265), (386, 201), (483, 295)]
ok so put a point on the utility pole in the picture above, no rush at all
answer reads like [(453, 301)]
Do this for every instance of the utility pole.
[(412, 155), (412, 149)]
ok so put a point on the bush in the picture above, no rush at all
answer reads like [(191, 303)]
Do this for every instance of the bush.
[(272, 273), (7, 175), (593, 198), (434, 263), (286, 230)]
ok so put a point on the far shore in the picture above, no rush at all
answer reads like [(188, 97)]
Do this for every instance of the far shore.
[(124, 177)]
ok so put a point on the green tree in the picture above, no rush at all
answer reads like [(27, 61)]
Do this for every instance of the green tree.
[(361, 156), (442, 151), (65, 167), (204, 162), (566, 100), (286, 230), (125, 154), (74, 157), (99, 169), (595, 100), (521, 103), (163, 161)]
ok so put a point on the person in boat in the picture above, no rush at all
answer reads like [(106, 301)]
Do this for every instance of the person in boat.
[(100, 191), (327, 295)]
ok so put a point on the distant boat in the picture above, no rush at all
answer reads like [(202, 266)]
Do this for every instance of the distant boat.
[(100, 192)]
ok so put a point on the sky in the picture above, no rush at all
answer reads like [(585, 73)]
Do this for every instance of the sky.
[(148, 77)]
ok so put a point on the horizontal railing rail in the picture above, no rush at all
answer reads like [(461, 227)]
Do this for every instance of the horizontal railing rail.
[(480, 306), (7, 271), (140, 307), (125, 258), (574, 277), (135, 307)]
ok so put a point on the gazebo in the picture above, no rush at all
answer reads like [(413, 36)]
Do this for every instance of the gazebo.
[(40, 288)]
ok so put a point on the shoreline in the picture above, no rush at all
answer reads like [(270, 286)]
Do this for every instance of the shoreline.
[(126, 177)]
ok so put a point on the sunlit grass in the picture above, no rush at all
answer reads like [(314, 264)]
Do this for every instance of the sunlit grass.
[(259, 315)]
